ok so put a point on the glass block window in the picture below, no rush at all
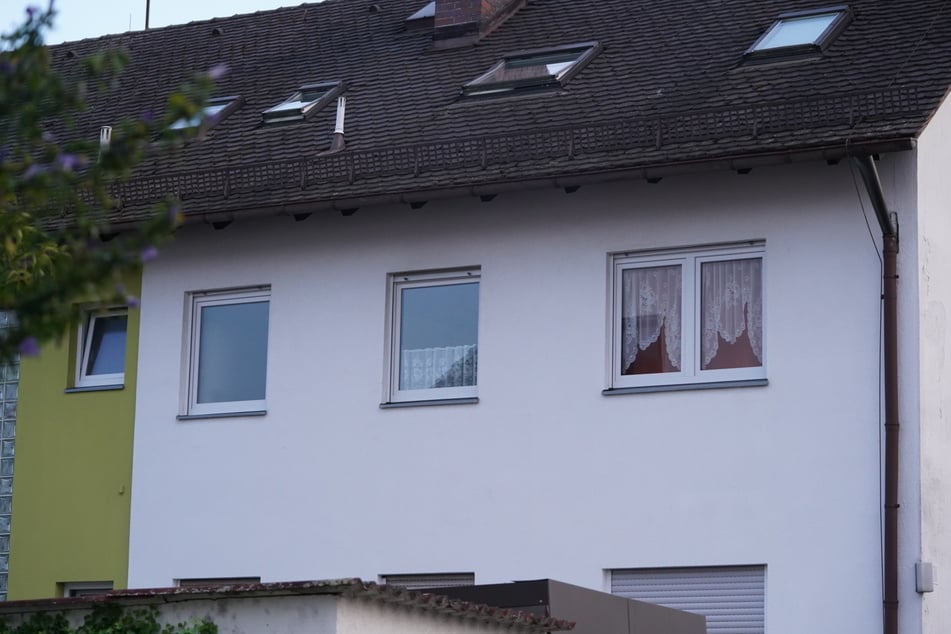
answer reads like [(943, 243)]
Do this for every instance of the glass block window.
[(9, 388)]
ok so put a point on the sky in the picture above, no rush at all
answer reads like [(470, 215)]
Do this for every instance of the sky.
[(79, 19)]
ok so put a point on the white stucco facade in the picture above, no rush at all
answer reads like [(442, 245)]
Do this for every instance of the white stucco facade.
[(544, 476), (933, 276)]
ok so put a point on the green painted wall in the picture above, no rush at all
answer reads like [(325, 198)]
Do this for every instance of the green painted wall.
[(72, 476)]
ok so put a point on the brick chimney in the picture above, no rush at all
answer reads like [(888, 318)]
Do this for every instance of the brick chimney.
[(464, 22)]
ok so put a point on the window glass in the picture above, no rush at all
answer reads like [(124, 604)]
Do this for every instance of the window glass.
[(539, 66), (796, 31), (528, 70), (210, 113), (732, 314), (690, 316), (651, 319), (232, 355), (438, 336), (106, 354), (298, 104)]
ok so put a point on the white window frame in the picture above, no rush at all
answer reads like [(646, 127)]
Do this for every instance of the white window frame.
[(216, 109), (195, 301), (690, 260), (307, 98), (419, 581), (208, 582), (76, 589), (425, 279), (84, 348)]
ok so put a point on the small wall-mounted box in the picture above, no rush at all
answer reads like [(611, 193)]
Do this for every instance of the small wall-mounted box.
[(924, 576)]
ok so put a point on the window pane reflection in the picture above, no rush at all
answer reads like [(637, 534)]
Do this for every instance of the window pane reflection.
[(232, 357)]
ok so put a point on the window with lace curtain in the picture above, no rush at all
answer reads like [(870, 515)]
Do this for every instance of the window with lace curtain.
[(434, 336), (690, 316)]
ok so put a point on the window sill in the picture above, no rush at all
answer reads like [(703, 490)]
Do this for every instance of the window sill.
[(259, 412), (94, 388), (717, 385), (443, 401)]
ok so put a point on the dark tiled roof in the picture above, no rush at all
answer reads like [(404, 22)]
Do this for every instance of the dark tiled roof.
[(351, 588), (669, 88)]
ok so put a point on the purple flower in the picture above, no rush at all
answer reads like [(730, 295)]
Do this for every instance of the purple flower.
[(131, 301), (149, 253), (29, 347), (33, 170), (148, 117), (31, 11), (218, 71), (69, 162)]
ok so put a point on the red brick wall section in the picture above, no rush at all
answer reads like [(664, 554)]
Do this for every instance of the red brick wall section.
[(482, 12), (455, 12)]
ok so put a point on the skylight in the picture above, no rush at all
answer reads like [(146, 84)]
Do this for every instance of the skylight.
[(428, 11), (547, 68), (801, 32), (214, 111), (306, 99)]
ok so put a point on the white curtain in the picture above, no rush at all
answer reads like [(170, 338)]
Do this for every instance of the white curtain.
[(651, 300), (452, 366), (732, 302)]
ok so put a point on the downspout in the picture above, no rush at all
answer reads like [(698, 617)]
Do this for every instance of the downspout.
[(873, 186)]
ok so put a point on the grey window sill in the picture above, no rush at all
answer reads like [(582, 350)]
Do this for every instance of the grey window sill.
[(719, 385), (443, 401), (259, 412), (94, 388)]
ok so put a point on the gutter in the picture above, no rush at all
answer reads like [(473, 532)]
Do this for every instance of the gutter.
[(500, 183), (866, 167)]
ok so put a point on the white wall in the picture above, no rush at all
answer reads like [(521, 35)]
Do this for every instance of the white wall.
[(934, 280), (545, 477)]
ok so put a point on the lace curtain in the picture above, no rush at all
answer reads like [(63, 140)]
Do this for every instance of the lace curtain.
[(651, 300), (732, 302), (452, 366)]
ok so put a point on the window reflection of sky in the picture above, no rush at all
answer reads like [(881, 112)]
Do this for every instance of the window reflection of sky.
[(797, 31), (439, 316)]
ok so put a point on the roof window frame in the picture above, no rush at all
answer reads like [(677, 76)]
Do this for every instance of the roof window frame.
[(475, 89), (818, 46), (275, 114), (203, 121)]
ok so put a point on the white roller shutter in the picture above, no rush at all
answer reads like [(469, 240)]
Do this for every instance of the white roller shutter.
[(436, 580), (731, 597)]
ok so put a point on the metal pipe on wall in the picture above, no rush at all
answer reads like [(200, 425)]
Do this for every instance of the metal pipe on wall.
[(873, 186)]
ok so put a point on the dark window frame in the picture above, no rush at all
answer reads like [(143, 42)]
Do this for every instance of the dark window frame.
[(589, 50)]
